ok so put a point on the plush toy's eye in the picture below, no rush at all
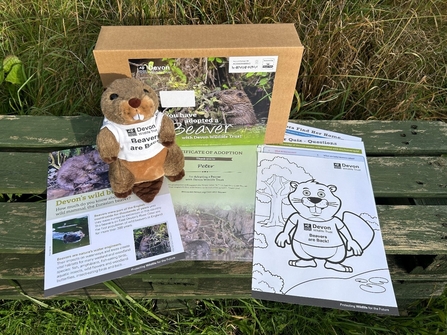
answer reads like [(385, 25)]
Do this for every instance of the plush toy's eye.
[(113, 96)]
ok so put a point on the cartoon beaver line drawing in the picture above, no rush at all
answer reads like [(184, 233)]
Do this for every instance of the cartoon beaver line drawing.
[(314, 231)]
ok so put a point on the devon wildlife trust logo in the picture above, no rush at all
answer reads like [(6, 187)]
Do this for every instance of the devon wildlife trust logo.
[(143, 67), (344, 166), (131, 132), (155, 67)]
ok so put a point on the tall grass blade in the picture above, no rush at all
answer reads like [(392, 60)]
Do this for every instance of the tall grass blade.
[(130, 301)]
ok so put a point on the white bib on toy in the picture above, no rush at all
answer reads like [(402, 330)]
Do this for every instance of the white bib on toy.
[(139, 141)]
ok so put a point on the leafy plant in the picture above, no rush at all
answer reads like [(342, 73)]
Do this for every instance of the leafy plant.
[(13, 79)]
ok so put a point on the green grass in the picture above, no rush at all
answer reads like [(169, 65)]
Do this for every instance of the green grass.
[(377, 59), (210, 317)]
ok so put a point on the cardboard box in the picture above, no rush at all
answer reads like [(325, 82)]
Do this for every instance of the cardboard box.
[(261, 60)]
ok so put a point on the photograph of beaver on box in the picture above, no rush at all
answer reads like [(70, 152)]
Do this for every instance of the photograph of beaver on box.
[(230, 107)]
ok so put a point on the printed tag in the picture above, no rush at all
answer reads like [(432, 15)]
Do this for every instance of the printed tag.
[(170, 99), (253, 64)]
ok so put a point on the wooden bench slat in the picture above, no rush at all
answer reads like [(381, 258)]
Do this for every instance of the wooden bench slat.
[(408, 177), (22, 227), (198, 288), (227, 288), (414, 230), (45, 133), (22, 266), (393, 137), (23, 173), (197, 279), (30, 267), (405, 229)]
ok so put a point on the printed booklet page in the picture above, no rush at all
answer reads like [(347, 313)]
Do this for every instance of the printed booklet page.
[(317, 234), (93, 236)]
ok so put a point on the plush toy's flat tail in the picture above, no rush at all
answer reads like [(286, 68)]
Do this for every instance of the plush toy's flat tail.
[(123, 194), (147, 190)]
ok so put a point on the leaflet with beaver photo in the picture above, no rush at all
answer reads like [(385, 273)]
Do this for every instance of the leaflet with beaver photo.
[(317, 237), (93, 236), (212, 100)]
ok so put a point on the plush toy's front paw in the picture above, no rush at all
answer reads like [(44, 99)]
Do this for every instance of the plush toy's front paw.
[(109, 160), (167, 144)]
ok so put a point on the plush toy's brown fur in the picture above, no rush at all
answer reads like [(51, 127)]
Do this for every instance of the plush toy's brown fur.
[(129, 101)]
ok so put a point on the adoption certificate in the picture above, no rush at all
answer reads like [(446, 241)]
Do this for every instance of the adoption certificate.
[(317, 235), (214, 202)]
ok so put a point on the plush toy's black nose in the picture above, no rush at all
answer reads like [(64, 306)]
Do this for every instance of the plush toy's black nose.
[(134, 102)]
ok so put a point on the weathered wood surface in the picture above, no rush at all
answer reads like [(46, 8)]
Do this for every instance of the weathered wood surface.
[(410, 230), (227, 288), (382, 138), (29, 267), (393, 177), (37, 133), (190, 279), (34, 133), (408, 167)]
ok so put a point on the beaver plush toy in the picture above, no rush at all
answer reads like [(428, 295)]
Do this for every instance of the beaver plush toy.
[(137, 141)]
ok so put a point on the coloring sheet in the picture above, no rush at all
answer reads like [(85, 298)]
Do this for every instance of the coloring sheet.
[(317, 238)]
